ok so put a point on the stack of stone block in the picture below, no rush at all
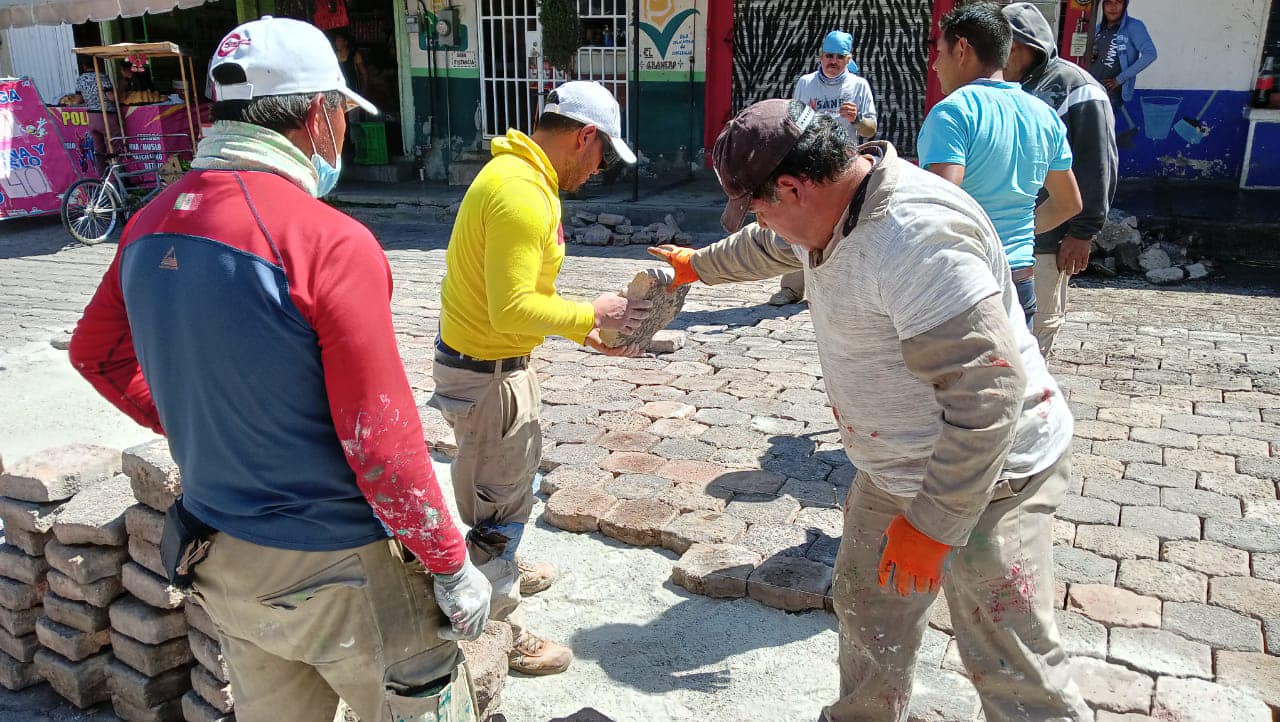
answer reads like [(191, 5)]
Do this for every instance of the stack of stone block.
[(37, 602), (152, 669), (210, 697)]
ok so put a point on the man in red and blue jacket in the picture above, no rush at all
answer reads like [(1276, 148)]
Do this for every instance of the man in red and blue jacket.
[(250, 323)]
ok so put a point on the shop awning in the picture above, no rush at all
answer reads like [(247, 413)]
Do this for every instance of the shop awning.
[(21, 13)]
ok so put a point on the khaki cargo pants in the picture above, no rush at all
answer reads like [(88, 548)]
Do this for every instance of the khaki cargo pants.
[(495, 420), (1001, 594), (1052, 287), (301, 629)]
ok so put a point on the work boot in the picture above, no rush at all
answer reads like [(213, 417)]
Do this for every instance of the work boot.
[(535, 576), (784, 297), (531, 654)]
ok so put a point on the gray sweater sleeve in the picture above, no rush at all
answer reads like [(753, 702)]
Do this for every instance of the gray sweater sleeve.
[(752, 254), (1091, 133)]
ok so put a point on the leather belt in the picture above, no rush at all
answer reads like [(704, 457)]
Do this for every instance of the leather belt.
[(1023, 274), (446, 356)]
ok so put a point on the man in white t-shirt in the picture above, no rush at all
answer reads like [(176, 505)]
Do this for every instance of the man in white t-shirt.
[(834, 89), (960, 435)]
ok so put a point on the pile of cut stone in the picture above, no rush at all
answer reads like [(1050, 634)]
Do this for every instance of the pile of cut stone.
[(61, 569), (1121, 247), (611, 229)]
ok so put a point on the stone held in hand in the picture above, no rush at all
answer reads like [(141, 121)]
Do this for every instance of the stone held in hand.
[(650, 284)]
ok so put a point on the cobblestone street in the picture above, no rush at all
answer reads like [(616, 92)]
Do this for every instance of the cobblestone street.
[(1167, 548)]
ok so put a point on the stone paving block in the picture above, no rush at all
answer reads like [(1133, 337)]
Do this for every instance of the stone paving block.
[(588, 455), (577, 508), (21, 567), (151, 588), (1102, 431), (696, 496), (146, 554), (715, 570), (1200, 502), (208, 652), (763, 509), (1157, 652), (151, 659), (1087, 510), (1215, 626), (1229, 412), (212, 690), (771, 540), (750, 482), (1246, 595), (58, 473), (21, 648), (677, 428), (1266, 566), (1117, 542), (637, 521), (197, 618), (1161, 522), (637, 441), (19, 622), (1208, 558), (1238, 485), (1163, 580), (684, 449), (145, 523), (1269, 433), (1112, 606), (1110, 687), (16, 675), (100, 593), (667, 410), (1263, 468), (1128, 451), (827, 521), (195, 709), (630, 462), (789, 583), (572, 433), (824, 549), (1264, 510), (637, 486), (810, 492), (31, 543), (1081, 636), (1129, 417), (145, 623), (85, 563), (1193, 424), (486, 661), (1161, 475), (1200, 460), (153, 474), (701, 527), (77, 615), (941, 695), (1254, 535), (1194, 700), (18, 595), (166, 711), (681, 471), (1078, 566), (567, 477), (1235, 446), (82, 683), (1122, 491), (1256, 673), (96, 514), (144, 691), (71, 643)]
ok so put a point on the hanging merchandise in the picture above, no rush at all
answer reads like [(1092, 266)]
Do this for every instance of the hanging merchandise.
[(331, 14)]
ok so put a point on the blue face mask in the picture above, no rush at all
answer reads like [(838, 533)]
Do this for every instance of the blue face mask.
[(326, 173)]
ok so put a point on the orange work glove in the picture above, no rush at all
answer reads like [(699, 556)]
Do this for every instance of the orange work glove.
[(680, 259), (910, 559)]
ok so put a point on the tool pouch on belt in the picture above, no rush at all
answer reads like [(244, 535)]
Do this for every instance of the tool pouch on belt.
[(183, 545), (442, 701)]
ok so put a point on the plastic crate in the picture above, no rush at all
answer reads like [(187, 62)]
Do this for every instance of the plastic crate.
[(371, 143)]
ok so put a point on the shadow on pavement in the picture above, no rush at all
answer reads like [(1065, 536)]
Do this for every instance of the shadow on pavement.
[(40, 236)]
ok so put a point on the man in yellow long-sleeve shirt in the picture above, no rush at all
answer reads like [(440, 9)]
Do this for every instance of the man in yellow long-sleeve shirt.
[(498, 303)]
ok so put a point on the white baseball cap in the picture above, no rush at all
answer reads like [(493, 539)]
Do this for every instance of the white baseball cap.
[(589, 102), (280, 56)]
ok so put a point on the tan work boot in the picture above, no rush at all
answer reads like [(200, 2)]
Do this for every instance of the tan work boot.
[(531, 654), (784, 297), (535, 576)]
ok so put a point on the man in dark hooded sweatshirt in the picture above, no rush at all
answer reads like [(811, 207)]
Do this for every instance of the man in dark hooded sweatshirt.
[(1082, 104)]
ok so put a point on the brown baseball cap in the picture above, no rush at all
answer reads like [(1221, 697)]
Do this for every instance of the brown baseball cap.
[(751, 147)]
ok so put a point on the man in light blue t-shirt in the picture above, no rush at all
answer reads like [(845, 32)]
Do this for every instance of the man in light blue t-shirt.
[(999, 144)]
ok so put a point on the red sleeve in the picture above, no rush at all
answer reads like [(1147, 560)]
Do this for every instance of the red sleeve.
[(102, 351), (347, 300)]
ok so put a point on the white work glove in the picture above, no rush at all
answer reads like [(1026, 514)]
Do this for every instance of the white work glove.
[(464, 598)]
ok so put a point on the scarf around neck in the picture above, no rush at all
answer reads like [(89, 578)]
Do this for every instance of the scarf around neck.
[(231, 145)]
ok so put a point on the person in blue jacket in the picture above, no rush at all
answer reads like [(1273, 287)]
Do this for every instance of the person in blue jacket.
[(1122, 48)]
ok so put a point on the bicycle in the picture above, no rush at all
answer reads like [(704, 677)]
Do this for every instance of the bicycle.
[(93, 207)]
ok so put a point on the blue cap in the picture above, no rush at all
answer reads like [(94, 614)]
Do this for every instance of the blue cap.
[(838, 42)]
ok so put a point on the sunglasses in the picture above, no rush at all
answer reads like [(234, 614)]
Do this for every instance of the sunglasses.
[(609, 156)]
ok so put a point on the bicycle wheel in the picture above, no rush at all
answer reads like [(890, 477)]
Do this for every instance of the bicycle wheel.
[(91, 209)]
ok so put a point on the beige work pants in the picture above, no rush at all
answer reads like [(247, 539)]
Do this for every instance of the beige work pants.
[(793, 282), (1051, 300), (1001, 594), (495, 420), (301, 629)]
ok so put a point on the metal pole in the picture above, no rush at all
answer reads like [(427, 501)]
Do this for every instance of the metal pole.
[(635, 96)]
